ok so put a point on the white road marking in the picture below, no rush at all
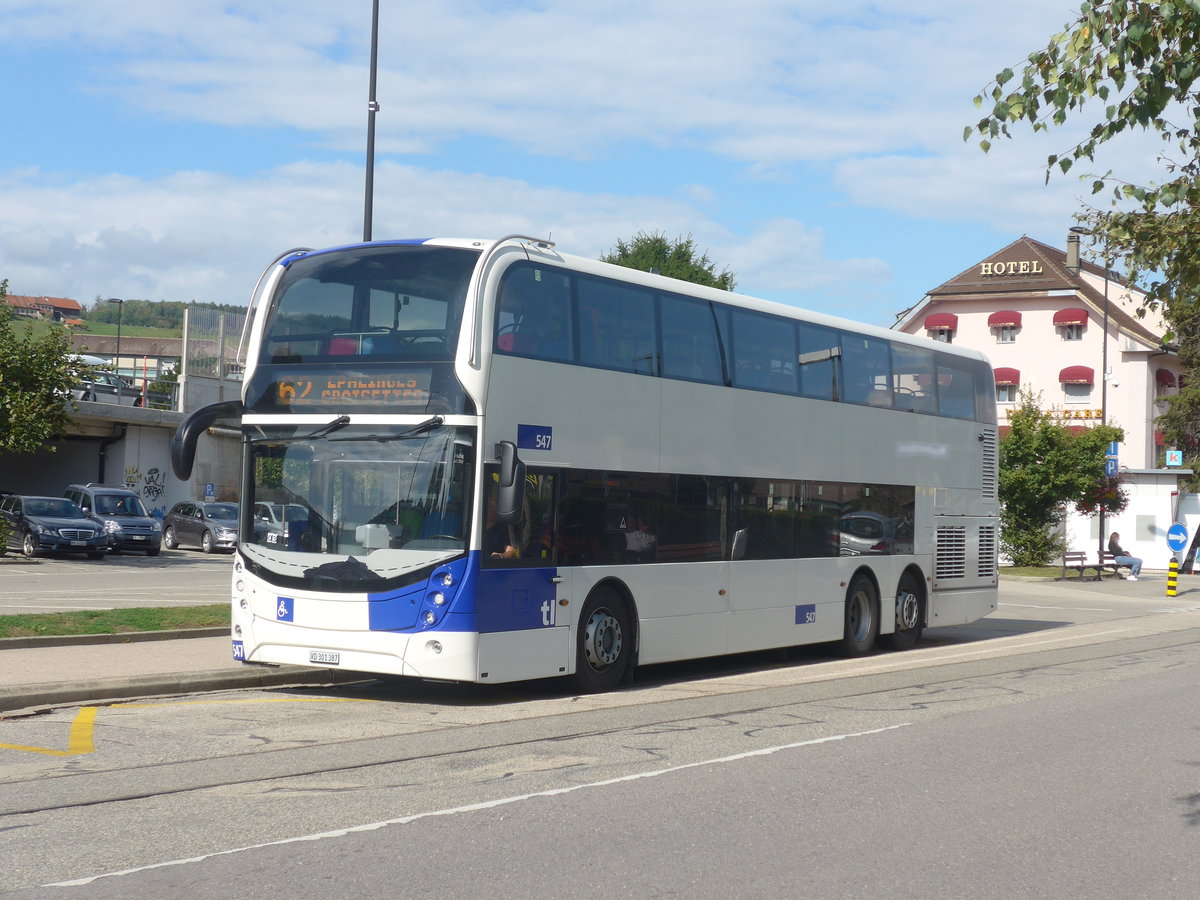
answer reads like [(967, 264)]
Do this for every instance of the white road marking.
[(487, 804)]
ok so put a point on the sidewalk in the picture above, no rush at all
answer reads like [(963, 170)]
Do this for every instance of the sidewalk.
[(39, 672)]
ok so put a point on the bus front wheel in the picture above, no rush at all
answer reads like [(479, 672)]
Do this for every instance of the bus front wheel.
[(862, 617), (604, 643), (910, 616)]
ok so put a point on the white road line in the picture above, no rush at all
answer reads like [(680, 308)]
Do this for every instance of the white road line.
[(487, 804), (1072, 608)]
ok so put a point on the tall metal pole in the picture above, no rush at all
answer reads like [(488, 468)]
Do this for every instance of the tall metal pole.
[(117, 361), (1074, 265), (372, 108)]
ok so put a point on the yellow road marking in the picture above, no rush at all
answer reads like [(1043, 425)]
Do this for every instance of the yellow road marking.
[(79, 741), (248, 700)]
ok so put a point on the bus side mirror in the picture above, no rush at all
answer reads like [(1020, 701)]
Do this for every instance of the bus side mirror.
[(511, 496), (183, 442)]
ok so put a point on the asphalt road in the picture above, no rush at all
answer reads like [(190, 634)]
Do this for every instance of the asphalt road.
[(61, 584), (1054, 758)]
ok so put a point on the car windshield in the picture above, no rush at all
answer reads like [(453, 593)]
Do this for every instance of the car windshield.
[(220, 510), (119, 505), (370, 507), (49, 506)]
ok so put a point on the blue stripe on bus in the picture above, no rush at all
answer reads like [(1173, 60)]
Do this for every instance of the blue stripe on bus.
[(483, 600), (516, 599)]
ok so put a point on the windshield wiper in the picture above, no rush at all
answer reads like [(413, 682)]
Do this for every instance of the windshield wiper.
[(420, 428), (328, 428)]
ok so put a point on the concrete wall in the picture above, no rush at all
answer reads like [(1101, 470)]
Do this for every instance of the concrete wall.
[(120, 445)]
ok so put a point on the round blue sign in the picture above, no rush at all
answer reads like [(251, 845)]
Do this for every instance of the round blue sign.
[(1177, 537)]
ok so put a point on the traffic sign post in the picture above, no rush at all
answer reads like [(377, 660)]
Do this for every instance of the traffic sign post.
[(1177, 537)]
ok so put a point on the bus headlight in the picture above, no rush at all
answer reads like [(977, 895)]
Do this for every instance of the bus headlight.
[(434, 647), (430, 618), (438, 598)]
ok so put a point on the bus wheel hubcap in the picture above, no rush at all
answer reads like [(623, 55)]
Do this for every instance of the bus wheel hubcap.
[(602, 639), (907, 608)]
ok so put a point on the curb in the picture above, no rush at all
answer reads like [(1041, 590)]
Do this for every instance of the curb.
[(28, 698), (127, 637)]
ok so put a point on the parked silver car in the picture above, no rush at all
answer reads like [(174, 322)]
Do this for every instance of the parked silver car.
[(209, 526)]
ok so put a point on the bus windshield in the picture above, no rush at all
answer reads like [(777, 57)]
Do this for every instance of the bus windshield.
[(387, 302), (362, 508)]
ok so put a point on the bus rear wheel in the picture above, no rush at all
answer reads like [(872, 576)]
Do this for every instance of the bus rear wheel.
[(862, 617), (910, 616), (604, 642)]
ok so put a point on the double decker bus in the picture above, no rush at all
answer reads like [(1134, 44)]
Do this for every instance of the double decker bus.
[(489, 461)]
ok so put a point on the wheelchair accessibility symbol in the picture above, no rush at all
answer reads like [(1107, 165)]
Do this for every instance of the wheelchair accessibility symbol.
[(285, 610)]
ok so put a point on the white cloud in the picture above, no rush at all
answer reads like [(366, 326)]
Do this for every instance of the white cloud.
[(202, 236), (764, 82)]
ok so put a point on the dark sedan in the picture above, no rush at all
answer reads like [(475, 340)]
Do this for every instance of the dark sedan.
[(51, 525), (209, 526)]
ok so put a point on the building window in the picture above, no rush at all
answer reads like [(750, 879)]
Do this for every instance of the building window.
[(1072, 332), (1006, 334), (1077, 393), (944, 336), (1006, 393)]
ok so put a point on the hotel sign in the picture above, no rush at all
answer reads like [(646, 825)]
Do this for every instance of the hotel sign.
[(1024, 267), (1094, 414)]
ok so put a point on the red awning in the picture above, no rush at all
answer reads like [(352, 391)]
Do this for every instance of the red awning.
[(1008, 376), (941, 322), (1164, 378), (1004, 317), (1076, 375), (1072, 316)]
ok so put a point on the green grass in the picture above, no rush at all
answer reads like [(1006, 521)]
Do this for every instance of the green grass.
[(115, 621), (1032, 571)]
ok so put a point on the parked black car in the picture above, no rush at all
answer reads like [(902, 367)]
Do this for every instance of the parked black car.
[(209, 526), (51, 525), (127, 524)]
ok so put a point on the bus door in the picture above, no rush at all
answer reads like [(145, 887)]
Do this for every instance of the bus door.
[(523, 598)]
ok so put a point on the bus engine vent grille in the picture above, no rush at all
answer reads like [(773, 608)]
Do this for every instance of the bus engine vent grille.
[(988, 475), (951, 557), (988, 559)]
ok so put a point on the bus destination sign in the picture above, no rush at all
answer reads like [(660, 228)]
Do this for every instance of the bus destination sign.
[(350, 389)]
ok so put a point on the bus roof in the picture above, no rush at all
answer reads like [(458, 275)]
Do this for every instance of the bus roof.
[(547, 252)]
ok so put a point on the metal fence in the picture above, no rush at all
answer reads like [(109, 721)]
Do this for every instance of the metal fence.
[(210, 342)]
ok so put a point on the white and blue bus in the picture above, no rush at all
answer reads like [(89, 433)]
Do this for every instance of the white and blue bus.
[(493, 461)]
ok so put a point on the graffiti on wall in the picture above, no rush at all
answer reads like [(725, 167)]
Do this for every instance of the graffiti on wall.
[(150, 486)]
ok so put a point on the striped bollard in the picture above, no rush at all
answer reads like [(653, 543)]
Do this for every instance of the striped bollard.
[(1172, 577)]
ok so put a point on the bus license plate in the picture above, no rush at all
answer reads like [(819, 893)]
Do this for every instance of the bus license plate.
[(324, 657)]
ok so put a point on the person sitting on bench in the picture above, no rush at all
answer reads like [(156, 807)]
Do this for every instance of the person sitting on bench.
[(1121, 558)]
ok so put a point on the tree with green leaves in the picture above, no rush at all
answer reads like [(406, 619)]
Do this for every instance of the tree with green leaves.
[(675, 259), (36, 377), (1044, 467), (1136, 64)]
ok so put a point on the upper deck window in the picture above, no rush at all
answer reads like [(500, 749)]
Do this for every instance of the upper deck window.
[(383, 302)]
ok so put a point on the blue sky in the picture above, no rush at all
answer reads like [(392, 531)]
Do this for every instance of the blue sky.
[(168, 151)]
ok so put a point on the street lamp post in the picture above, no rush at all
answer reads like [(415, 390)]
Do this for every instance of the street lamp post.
[(372, 108), (120, 309), (1074, 265)]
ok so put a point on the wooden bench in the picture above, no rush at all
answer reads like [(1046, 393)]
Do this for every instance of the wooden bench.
[(1077, 561), (1107, 564)]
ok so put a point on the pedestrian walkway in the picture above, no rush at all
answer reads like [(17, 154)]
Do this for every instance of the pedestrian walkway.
[(43, 672), (39, 672)]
